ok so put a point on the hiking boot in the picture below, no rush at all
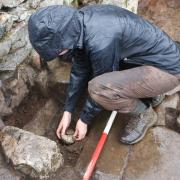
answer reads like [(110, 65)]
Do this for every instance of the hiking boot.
[(157, 100), (138, 125)]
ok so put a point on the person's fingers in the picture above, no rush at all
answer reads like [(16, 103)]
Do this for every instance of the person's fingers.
[(63, 131), (75, 135), (80, 137), (58, 132)]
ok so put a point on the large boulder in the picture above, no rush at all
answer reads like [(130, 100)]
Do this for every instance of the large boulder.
[(33, 155)]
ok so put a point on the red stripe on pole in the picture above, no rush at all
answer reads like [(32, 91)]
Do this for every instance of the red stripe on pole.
[(95, 156)]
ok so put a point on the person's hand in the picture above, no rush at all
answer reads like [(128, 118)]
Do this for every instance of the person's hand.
[(81, 130), (64, 124)]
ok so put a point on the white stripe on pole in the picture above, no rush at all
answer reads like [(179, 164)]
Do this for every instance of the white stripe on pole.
[(110, 122)]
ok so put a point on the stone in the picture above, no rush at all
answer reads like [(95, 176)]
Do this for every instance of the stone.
[(19, 33), (6, 173), (15, 88), (19, 44), (12, 93), (42, 120), (50, 2), (70, 3), (163, 13), (34, 3), (2, 125), (22, 13), (4, 108), (11, 3), (6, 74), (155, 157), (4, 48), (2, 32), (7, 20), (165, 109), (33, 155), (11, 61), (68, 138)]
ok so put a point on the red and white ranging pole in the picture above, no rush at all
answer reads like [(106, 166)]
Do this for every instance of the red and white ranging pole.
[(99, 147)]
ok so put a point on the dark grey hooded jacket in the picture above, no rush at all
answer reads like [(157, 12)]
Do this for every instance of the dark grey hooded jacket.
[(102, 37)]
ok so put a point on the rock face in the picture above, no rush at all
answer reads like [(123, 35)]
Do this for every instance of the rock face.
[(15, 50), (163, 13), (165, 109), (33, 155), (13, 90), (42, 119), (156, 157)]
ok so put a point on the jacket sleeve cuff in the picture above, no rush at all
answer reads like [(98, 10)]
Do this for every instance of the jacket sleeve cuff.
[(85, 118), (68, 108)]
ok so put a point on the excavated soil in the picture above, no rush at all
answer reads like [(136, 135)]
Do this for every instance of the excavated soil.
[(26, 110), (25, 113)]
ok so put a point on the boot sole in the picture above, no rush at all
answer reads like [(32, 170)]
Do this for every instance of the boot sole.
[(144, 133)]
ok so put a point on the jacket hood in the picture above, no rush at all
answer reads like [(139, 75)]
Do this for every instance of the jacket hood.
[(53, 29)]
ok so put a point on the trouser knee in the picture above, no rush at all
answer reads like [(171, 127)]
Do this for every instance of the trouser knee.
[(101, 93)]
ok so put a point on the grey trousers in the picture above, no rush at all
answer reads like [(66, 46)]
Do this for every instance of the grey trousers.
[(124, 90)]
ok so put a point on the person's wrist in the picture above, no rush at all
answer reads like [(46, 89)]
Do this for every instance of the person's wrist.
[(67, 113), (83, 122)]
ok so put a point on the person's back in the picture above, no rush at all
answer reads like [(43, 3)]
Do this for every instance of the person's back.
[(131, 36)]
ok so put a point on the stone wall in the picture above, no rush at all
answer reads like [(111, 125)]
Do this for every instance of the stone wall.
[(14, 43), (16, 73)]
